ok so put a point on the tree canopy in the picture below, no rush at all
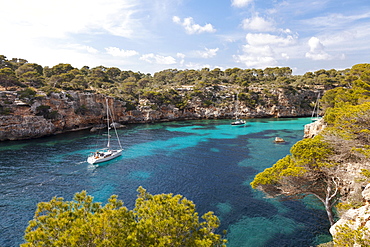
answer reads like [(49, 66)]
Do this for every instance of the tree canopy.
[(156, 220), (308, 170), (313, 166)]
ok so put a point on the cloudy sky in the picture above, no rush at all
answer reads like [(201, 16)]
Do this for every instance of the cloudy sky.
[(153, 35)]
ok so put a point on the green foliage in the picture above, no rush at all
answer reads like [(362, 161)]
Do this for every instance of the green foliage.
[(348, 205), (357, 90), (349, 128), (307, 171), (365, 172), (82, 110), (28, 93), (7, 78), (80, 223), (307, 154), (272, 175), (250, 99), (30, 74), (173, 221), (130, 106), (312, 152), (44, 110), (49, 90), (5, 110), (157, 220)]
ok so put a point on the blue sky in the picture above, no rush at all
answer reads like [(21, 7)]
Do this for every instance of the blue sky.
[(153, 35)]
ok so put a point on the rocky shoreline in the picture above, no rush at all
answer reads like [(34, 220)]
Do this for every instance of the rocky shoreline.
[(44, 115)]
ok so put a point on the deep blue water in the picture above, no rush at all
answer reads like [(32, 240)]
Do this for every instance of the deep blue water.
[(209, 162)]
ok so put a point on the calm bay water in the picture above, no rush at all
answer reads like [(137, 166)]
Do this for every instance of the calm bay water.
[(209, 162)]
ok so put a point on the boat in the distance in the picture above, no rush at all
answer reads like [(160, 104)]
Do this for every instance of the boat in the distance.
[(237, 121), (106, 153), (315, 113)]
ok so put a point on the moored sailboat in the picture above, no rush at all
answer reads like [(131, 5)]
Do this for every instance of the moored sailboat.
[(315, 113), (107, 153), (237, 121)]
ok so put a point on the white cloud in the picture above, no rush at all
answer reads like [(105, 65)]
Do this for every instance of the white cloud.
[(257, 23), (50, 32), (81, 48), (197, 66), (285, 56), (191, 27), (208, 53), (241, 3), (317, 50), (116, 52), (42, 18), (182, 57), (158, 59), (259, 39), (263, 50), (335, 20), (257, 56)]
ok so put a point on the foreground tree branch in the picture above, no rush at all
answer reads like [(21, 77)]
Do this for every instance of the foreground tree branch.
[(307, 171), (157, 220)]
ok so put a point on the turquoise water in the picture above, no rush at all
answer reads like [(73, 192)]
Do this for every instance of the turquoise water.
[(209, 162)]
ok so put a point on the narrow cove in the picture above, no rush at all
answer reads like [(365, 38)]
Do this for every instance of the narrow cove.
[(209, 162)]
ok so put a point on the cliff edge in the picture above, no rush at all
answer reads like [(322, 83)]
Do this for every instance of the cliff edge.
[(39, 114)]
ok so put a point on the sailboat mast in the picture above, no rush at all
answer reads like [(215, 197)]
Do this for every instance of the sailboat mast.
[(237, 106), (317, 105), (316, 108), (108, 144)]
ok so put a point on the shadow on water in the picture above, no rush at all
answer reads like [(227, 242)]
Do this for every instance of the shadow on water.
[(311, 222), (210, 163)]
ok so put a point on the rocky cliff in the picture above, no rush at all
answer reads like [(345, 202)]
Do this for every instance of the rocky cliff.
[(355, 192), (356, 218), (314, 128), (41, 114)]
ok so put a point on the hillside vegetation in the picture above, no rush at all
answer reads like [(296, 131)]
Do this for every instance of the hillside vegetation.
[(167, 86)]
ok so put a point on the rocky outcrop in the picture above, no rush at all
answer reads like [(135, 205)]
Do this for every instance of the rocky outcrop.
[(24, 127), (314, 128), (356, 218), (41, 114), (45, 115)]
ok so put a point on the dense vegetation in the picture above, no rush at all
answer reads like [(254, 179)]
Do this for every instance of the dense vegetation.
[(167, 86), (156, 220), (315, 166)]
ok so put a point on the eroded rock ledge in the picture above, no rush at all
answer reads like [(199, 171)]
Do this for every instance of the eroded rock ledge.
[(314, 128), (68, 111)]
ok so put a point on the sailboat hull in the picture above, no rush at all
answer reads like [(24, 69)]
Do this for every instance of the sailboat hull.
[(238, 122), (103, 156), (106, 154)]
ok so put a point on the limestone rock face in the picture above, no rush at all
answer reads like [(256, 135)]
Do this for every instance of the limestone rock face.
[(355, 218), (354, 188), (68, 111), (24, 127), (314, 128), (366, 193), (57, 113)]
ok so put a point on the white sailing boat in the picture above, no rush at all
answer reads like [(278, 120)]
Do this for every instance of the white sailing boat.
[(315, 113), (237, 121), (107, 153)]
